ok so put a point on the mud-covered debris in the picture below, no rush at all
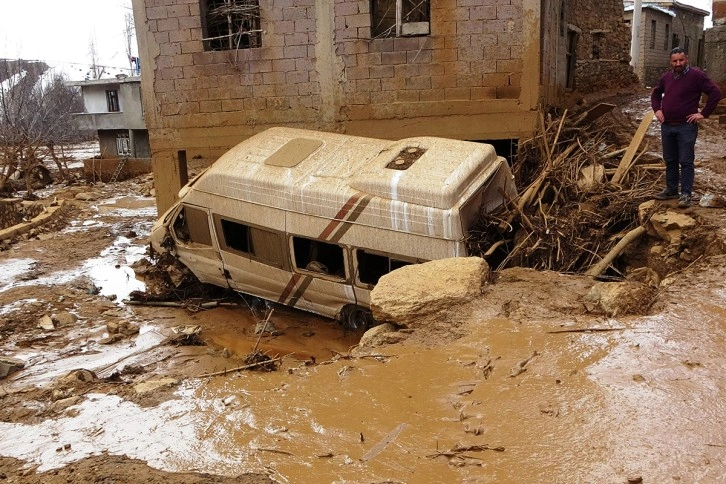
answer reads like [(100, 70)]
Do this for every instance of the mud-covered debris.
[(620, 298), (76, 376), (10, 365), (151, 385), (267, 328), (710, 200), (186, 336), (123, 328), (261, 361)]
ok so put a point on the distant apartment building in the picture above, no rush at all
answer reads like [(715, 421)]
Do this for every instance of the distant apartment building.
[(219, 71), (113, 109), (663, 26)]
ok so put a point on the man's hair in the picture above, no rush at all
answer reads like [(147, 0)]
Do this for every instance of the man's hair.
[(678, 50)]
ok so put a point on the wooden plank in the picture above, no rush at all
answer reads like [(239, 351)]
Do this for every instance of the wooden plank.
[(380, 446), (627, 160), (593, 113)]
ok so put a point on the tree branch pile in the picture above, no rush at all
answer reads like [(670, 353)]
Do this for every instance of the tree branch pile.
[(569, 214)]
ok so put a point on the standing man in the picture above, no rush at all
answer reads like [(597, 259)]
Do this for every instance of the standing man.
[(675, 102)]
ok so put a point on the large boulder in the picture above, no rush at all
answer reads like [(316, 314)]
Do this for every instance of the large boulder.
[(408, 294)]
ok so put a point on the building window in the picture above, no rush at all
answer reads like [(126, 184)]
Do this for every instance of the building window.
[(652, 34), (400, 18), (231, 24), (667, 37), (112, 101), (123, 144), (676, 41)]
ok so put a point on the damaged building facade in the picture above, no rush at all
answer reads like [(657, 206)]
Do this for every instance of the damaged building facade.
[(663, 26), (220, 71)]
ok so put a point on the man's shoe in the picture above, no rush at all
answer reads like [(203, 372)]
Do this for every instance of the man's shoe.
[(685, 201), (666, 195)]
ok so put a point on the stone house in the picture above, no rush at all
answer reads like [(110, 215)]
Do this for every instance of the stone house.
[(219, 71), (663, 26)]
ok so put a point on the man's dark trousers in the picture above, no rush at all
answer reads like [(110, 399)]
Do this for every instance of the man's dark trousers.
[(679, 147)]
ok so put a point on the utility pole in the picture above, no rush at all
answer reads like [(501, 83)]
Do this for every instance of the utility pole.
[(635, 40)]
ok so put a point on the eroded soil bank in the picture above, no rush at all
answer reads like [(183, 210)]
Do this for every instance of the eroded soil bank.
[(522, 384)]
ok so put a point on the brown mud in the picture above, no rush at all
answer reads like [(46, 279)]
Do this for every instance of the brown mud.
[(521, 385)]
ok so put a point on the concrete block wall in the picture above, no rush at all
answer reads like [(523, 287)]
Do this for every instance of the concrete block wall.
[(476, 76)]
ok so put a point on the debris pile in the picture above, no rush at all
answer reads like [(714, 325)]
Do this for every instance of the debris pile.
[(579, 196)]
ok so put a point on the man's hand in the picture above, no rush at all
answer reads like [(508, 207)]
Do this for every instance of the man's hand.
[(694, 118), (659, 116)]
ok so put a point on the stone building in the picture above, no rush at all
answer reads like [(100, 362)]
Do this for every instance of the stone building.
[(219, 71), (663, 26), (715, 50)]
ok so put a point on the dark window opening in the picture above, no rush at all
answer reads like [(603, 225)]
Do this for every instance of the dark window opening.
[(653, 29), (317, 256), (192, 226), (112, 101), (260, 244), (371, 267), (236, 236), (231, 24), (406, 158), (676, 41), (396, 18)]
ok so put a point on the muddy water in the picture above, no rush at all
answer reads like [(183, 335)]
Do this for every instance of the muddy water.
[(644, 400), (589, 407)]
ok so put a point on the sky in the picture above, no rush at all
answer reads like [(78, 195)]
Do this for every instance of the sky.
[(59, 32)]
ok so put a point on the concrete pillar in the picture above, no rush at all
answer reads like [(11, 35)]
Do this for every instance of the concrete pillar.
[(168, 179)]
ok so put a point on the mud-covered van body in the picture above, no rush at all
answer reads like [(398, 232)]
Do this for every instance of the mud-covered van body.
[(313, 219)]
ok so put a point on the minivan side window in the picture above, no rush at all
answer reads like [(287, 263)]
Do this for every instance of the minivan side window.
[(317, 256), (192, 226), (372, 266), (262, 245)]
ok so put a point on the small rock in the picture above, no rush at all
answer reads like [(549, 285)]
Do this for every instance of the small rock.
[(46, 323), (88, 196), (151, 385), (709, 200), (10, 365), (226, 353), (64, 318), (114, 338)]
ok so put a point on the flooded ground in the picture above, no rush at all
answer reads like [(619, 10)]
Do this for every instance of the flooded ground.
[(528, 387)]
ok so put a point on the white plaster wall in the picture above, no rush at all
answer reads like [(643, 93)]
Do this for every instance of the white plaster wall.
[(94, 98)]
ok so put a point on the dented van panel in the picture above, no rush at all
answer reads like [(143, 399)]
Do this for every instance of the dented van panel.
[(313, 219)]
